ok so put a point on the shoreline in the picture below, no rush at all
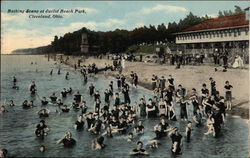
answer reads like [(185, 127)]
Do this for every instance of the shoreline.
[(240, 106)]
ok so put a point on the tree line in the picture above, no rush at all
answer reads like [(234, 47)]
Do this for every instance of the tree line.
[(119, 40)]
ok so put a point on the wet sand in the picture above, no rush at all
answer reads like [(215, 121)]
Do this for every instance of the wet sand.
[(189, 76)]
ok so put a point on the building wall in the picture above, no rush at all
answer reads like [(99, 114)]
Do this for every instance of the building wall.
[(233, 34)]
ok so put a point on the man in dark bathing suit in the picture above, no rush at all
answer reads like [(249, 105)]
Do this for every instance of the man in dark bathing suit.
[(67, 140)]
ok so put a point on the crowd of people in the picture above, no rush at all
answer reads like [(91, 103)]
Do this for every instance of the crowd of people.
[(119, 116)]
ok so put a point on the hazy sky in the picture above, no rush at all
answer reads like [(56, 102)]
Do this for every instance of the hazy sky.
[(20, 31)]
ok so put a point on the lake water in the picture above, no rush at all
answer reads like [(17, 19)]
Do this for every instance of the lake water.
[(17, 126)]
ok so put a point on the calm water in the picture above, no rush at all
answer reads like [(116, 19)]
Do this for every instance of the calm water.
[(17, 126)]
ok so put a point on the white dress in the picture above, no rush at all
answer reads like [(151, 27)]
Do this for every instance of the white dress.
[(238, 63), (123, 63)]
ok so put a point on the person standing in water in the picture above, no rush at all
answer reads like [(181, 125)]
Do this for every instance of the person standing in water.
[(32, 87), (77, 97), (183, 109), (53, 97), (59, 71), (67, 76), (176, 138), (119, 82), (188, 131), (51, 72), (139, 150), (125, 91), (64, 93), (153, 82), (98, 143), (67, 140), (79, 124), (91, 89), (142, 107), (228, 95), (14, 83), (41, 129)]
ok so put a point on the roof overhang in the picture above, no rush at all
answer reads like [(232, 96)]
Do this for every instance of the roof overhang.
[(224, 28)]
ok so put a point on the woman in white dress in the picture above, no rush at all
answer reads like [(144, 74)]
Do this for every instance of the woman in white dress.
[(123, 63), (238, 62)]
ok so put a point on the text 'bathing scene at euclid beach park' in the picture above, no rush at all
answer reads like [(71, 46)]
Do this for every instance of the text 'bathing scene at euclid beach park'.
[(116, 88)]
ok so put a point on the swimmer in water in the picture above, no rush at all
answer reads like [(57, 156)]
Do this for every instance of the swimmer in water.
[(32, 87), (3, 153), (53, 97), (77, 97), (14, 83), (75, 105), (67, 76), (10, 103), (130, 137), (69, 91), (176, 138), (83, 107), (197, 118), (44, 101), (79, 124), (41, 129), (67, 140), (188, 131), (91, 89), (59, 71), (42, 148), (43, 113), (51, 72), (65, 108), (139, 129), (2, 109), (27, 105), (139, 150), (98, 144), (210, 125), (64, 93)]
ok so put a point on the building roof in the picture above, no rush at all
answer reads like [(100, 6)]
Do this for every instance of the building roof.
[(219, 23)]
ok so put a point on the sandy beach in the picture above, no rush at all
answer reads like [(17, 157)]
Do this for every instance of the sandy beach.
[(189, 76)]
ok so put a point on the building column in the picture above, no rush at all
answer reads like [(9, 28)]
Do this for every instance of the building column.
[(185, 48), (202, 45), (193, 48), (223, 46), (212, 46)]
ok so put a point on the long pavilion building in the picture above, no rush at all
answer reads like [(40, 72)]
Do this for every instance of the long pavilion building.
[(227, 33)]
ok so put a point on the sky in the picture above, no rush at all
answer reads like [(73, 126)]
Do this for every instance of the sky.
[(18, 30)]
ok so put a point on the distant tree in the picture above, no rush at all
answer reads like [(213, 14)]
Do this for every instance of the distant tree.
[(238, 10), (220, 13)]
